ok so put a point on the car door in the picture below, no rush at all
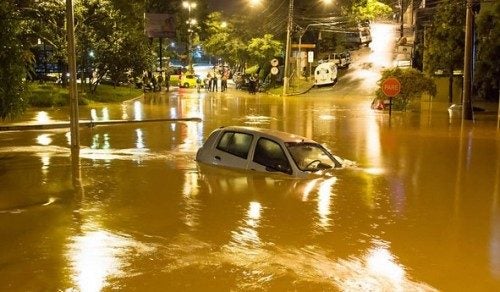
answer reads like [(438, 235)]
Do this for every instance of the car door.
[(269, 156), (232, 149)]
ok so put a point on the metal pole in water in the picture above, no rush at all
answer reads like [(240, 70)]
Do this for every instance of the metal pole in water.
[(73, 95)]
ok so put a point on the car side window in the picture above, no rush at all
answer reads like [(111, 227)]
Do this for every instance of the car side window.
[(270, 154), (235, 143)]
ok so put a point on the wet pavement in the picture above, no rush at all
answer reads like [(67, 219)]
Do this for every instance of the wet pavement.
[(133, 210)]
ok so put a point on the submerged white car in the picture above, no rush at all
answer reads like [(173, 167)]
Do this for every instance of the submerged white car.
[(266, 151)]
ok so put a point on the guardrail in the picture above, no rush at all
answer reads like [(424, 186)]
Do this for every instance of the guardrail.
[(61, 125)]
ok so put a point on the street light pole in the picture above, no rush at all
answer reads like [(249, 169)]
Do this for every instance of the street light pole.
[(467, 111), (73, 96), (287, 48), (189, 5)]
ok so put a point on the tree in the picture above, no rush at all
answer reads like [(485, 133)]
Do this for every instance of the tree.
[(487, 69), (222, 39), (444, 41), (262, 50), (370, 10), (15, 61), (115, 38), (237, 43)]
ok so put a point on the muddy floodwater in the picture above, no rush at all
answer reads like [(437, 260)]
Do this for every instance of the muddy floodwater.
[(134, 211)]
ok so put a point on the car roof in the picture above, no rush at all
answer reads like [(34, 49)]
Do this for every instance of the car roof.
[(269, 133)]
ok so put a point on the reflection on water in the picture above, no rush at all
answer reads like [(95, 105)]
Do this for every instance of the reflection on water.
[(139, 142), (44, 139), (325, 194), (42, 117), (247, 234), (97, 256), (137, 110), (139, 213), (378, 270)]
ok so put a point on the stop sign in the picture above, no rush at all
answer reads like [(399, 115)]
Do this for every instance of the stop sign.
[(391, 87)]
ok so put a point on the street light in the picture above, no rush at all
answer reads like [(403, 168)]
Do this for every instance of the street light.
[(189, 5)]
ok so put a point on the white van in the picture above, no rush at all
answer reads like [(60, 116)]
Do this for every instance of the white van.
[(325, 73)]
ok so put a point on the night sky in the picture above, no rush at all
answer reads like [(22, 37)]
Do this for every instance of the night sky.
[(224, 5)]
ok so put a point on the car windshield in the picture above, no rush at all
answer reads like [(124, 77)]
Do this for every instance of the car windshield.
[(311, 156)]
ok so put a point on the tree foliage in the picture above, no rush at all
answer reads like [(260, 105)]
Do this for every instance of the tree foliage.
[(15, 60), (487, 74), (444, 43), (370, 10), (234, 41), (413, 85), (111, 42)]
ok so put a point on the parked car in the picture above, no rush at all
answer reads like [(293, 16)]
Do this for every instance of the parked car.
[(188, 80), (342, 60), (266, 150)]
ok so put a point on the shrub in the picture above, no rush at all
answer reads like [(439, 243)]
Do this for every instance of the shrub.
[(413, 85)]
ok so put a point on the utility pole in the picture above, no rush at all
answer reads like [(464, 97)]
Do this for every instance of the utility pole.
[(73, 95), (467, 113), (401, 33), (287, 46)]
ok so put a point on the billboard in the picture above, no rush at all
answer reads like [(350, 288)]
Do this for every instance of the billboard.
[(159, 25)]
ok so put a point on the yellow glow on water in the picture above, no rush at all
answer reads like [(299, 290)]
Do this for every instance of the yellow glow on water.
[(98, 143), (378, 270), (95, 256), (254, 3), (191, 186), (105, 114), (45, 161), (137, 110), (124, 111), (93, 114), (42, 117), (139, 142), (173, 112), (44, 139), (68, 137), (374, 170), (248, 234), (326, 117), (324, 202), (308, 189), (190, 190), (380, 261), (190, 137), (254, 213)]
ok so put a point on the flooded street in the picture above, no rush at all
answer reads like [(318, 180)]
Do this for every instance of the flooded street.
[(134, 211)]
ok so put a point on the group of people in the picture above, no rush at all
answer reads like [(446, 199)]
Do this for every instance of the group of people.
[(248, 81), (213, 77), (154, 83)]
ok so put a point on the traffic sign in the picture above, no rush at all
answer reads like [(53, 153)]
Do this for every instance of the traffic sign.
[(391, 87)]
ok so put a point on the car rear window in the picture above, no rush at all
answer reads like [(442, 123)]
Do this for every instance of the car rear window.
[(235, 143)]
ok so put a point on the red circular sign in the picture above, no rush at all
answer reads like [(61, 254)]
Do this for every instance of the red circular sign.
[(391, 87)]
